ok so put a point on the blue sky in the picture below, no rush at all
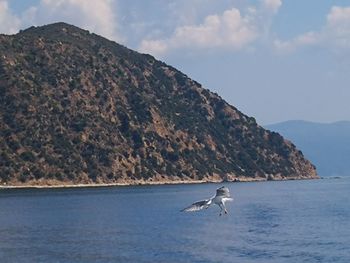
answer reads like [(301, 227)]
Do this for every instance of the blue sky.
[(275, 60)]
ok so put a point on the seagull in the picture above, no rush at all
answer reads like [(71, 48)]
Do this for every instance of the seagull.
[(222, 195)]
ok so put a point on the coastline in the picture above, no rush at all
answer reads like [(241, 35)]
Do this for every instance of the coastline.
[(63, 185)]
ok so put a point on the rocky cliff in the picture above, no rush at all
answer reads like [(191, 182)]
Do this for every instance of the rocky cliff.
[(327, 145), (78, 108)]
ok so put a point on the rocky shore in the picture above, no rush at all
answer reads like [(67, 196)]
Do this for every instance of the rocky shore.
[(47, 184)]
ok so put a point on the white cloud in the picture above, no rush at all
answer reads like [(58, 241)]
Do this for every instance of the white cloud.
[(154, 46), (334, 34), (230, 30), (306, 39), (272, 5), (96, 16), (337, 29), (9, 23)]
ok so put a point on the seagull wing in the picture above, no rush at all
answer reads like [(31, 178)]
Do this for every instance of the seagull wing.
[(223, 192), (197, 206)]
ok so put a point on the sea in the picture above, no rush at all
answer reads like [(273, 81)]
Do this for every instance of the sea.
[(275, 221)]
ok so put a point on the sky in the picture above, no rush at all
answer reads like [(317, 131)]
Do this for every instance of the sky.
[(275, 60)]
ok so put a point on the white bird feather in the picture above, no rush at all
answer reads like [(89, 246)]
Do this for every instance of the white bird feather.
[(222, 195)]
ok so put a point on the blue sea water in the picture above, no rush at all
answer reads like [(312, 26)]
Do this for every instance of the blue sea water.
[(291, 221)]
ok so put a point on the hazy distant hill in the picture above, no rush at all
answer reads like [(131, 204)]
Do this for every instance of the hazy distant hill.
[(326, 145), (76, 107)]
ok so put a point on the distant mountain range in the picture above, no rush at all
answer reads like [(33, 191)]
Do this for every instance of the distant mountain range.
[(326, 145)]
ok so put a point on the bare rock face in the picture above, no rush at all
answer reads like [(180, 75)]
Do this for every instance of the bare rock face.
[(78, 108)]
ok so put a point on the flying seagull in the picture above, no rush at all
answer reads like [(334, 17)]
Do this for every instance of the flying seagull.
[(222, 195)]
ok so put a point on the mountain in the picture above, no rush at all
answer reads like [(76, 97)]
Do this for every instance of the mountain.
[(327, 145), (78, 108)]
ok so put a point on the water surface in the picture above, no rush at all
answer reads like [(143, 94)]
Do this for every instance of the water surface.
[(292, 221)]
